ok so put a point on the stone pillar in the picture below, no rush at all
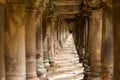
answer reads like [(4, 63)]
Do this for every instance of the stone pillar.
[(39, 39), (86, 41), (15, 41), (61, 34), (41, 71), (56, 36), (116, 39), (49, 39), (45, 42), (45, 53), (30, 40), (95, 31), (87, 57), (66, 31), (52, 52), (65, 35), (2, 60), (107, 47)]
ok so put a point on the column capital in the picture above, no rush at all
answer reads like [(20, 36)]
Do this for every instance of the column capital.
[(15, 1), (96, 13), (32, 5), (2, 1), (116, 3), (53, 19), (91, 6), (40, 8), (94, 3), (108, 3)]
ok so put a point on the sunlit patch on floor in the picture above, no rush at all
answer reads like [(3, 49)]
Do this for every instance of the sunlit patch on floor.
[(67, 66)]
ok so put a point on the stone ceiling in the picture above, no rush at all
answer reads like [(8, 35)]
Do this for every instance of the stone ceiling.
[(68, 8)]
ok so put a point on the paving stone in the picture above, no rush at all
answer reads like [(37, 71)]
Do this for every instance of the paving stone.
[(67, 66)]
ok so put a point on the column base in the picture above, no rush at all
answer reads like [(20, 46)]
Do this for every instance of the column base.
[(35, 78), (15, 76), (94, 78), (52, 62), (46, 64), (2, 78), (86, 73), (107, 76), (42, 73)]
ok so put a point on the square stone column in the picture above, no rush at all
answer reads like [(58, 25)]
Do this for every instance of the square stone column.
[(107, 46), (95, 32), (2, 60), (45, 41), (116, 39), (15, 60), (30, 38)]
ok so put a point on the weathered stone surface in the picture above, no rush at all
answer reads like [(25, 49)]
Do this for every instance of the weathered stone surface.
[(15, 1), (45, 45), (116, 39), (2, 60), (68, 9), (95, 32), (107, 47), (30, 38), (41, 71), (15, 42), (67, 66), (108, 2), (3, 1), (43, 36), (94, 3)]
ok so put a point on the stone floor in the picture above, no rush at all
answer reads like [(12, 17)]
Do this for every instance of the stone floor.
[(67, 66)]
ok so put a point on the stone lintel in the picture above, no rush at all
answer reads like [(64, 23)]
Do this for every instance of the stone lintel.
[(32, 5), (108, 3), (67, 3), (69, 16), (15, 1), (2, 1), (74, 12), (116, 3)]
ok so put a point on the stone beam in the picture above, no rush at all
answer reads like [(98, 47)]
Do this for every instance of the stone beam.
[(68, 16), (2, 60), (15, 41), (95, 43), (108, 2), (67, 3), (107, 47), (75, 12), (30, 38), (116, 39)]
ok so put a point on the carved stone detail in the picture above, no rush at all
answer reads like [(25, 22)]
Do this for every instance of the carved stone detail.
[(32, 5), (15, 1)]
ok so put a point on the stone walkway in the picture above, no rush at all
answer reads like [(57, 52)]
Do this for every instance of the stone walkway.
[(67, 66)]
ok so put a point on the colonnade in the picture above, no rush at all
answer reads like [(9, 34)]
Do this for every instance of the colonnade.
[(27, 39), (32, 33), (100, 24)]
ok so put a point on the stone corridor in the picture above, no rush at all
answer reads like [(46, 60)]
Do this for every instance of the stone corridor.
[(67, 66), (60, 39)]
